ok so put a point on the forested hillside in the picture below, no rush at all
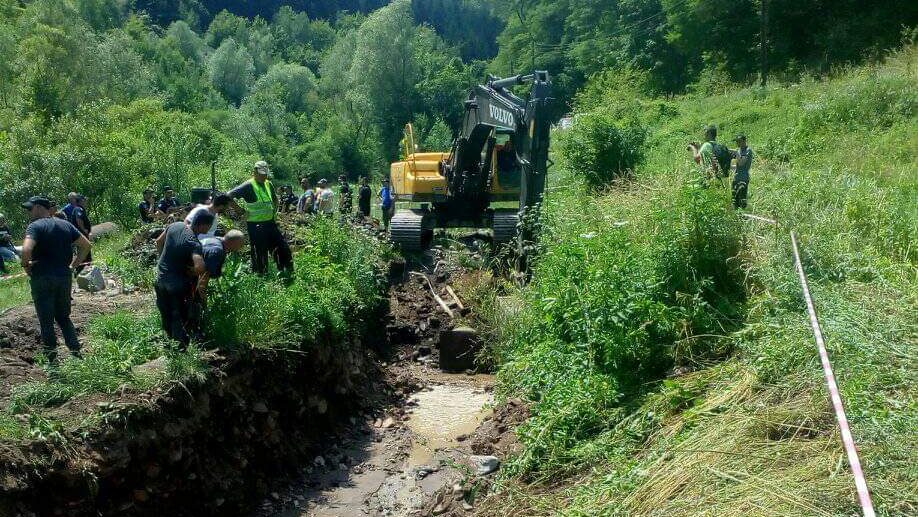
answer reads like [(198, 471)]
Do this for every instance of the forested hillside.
[(107, 96)]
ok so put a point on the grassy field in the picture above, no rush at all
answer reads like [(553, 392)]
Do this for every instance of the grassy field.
[(665, 343)]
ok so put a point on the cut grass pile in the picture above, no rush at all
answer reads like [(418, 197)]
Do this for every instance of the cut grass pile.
[(750, 432)]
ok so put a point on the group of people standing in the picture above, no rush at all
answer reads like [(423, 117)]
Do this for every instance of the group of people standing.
[(152, 209), (321, 200), (715, 160), (191, 254)]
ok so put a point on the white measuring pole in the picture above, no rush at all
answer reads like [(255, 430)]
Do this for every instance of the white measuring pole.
[(863, 493)]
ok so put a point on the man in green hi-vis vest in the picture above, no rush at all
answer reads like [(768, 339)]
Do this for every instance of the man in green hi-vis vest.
[(264, 235)]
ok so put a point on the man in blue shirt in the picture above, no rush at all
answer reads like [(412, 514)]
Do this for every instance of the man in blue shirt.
[(48, 258), (169, 203), (387, 203), (70, 207)]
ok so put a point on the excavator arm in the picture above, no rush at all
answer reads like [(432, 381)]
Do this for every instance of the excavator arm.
[(491, 107)]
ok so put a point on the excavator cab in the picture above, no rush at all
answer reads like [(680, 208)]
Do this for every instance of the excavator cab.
[(500, 155)]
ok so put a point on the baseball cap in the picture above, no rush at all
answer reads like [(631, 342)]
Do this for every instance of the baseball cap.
[(323, 181), (37, 200), (261, 167), (739, 137)]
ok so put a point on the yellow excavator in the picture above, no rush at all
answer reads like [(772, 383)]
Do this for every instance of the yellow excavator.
[(501, 154)]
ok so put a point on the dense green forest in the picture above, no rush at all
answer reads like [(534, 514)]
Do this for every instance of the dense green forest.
[(109, 96)]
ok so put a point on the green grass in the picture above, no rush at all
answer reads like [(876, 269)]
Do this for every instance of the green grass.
[(14, 292), (748, 430)]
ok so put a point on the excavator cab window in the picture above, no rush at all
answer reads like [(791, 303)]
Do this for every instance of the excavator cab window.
[(506, 155)]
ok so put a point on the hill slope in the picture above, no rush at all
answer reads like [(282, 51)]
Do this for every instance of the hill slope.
[(665, 343)]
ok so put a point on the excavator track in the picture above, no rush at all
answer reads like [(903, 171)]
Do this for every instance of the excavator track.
[(504, 226), (407, 229)]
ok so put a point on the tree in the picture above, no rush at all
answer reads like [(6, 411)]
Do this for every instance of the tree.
[(118, 71), (384, 70), (187, 41), (231, 70), (293, 85), (101, 15), (224, 26)]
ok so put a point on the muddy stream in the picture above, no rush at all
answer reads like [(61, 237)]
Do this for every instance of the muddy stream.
[(401, 459), (390, 466)]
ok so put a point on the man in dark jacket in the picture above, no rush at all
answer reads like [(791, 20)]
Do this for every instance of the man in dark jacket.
[(181, 262), (364, 197), (48, 258)]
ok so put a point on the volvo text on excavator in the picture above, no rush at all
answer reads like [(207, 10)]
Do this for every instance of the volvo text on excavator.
[(501, 154)]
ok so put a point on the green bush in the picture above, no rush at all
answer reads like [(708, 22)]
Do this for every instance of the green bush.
[(613, 307), (601, 148), (334, 290)]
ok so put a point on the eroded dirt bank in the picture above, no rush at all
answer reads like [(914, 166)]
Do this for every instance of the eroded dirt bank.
[(204, 449), (420, 453)]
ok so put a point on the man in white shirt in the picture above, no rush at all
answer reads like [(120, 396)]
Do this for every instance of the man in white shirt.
[(217, 206), (325, 199)]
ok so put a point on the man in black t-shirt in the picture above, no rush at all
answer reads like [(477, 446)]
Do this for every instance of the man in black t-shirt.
[(169, 203), (82, 222), (364, 195), (181, 262), (48, 258)]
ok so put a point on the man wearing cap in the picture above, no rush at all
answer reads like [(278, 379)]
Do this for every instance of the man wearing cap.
[(743, 156), (712, 156), (181, 262), (265, 237), (48, 258), (169, 203), (147, 206)]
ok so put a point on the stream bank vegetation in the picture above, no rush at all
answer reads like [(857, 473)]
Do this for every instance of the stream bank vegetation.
[(664, 343)]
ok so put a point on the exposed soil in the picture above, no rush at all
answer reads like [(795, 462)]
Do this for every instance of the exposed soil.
[(412, 456), (20, 339)]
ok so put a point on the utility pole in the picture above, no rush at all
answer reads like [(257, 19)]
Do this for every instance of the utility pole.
[(763, 43)]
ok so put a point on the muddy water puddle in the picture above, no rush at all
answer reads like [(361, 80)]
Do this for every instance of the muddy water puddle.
[(440, 415), (394, 471)]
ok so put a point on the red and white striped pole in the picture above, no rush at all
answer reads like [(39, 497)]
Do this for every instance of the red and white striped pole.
[(860, 482)]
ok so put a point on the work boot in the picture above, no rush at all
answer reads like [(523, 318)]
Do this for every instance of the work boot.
[(76, 353)]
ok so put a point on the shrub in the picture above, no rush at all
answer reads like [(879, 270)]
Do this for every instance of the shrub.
[(600, 148)]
